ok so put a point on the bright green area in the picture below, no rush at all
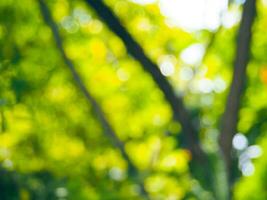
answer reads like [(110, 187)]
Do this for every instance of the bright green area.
[(52, 145)]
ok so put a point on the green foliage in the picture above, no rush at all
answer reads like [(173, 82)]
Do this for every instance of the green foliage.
[(51, 144)]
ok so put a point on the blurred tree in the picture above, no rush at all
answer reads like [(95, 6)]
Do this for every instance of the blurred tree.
[(72, 70)]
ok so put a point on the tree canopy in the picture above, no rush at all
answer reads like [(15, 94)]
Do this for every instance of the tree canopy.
[(118, 99)]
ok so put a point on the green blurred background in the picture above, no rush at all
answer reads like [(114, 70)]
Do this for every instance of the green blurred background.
[(52, 144)]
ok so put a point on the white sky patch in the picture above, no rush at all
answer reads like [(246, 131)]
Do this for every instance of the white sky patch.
[(231, 18), (205, 85), (244, 163), (194, 14), (254, 151), (7, 164), (167, 66), (116, 174), (240, 141), (81, 16), (186, 73), (193, 54), (61, 192), (219, 85), (248, 169), (70, 24)]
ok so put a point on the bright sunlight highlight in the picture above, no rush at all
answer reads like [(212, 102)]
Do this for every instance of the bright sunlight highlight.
[(191, 15)]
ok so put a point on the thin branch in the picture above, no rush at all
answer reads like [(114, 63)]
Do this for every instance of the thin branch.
[(108, 130), (179, 111), (210, 43), (230, 116), (3, 121)]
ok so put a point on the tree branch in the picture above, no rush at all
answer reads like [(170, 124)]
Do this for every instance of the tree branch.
[(179, 111), (108, 130), (230, 116)]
